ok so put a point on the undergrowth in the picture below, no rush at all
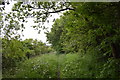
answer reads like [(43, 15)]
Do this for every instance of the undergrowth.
[(65, 66)]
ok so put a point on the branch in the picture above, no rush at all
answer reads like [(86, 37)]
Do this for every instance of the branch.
[(52, 11), (60, 10)]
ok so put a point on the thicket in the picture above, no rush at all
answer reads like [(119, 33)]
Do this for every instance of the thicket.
[(64, 66), (15, 51), (92, 28), (88, 29)]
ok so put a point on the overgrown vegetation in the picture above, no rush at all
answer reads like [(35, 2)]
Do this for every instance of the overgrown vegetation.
[(86, 39), (15, 51), (90, 29), (64, 66)]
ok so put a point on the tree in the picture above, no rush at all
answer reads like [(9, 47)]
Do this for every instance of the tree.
[(105, 19), (55, 34), (38, 10), (15, 51), (12, 54), (92, 28)]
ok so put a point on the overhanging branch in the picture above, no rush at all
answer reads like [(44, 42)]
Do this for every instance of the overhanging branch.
[(60, 10), (56, 10)]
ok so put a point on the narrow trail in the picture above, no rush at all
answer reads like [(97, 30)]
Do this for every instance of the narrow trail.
[(47, 66), (58, 68)]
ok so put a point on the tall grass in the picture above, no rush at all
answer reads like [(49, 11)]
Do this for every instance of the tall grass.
[(61, 66), (55, 66), (44, 66)]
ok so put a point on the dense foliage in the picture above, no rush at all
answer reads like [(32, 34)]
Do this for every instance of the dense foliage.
[(15, 51), (56, 66), (87, 35), (92, 28), (63, 66)]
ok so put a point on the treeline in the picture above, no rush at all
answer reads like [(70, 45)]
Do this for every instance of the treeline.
[(15, 51), (90, 29)]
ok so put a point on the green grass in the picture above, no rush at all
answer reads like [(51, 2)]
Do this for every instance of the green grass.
[(54, 66), (59, 66), (44, 66)]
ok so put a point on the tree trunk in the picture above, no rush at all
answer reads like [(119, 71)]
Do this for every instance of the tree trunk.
[(115, 50)]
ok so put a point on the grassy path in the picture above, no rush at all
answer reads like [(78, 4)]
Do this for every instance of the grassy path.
[(53, 66), (59, 66)]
